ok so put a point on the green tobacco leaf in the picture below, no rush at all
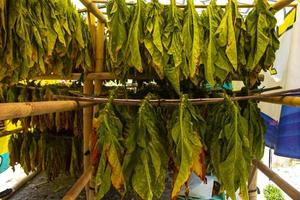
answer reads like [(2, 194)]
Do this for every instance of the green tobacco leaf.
[(109, 171), (214, 20), (225, 35), (188, 151), (173, 43), (229, 147), (261, 36), (146, 159), (133, 54), (118, 15), (193, 31), (256, 129), (153, 29)]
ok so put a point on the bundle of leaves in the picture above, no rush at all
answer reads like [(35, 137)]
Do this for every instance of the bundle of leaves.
[(182, 45), (42, 37)]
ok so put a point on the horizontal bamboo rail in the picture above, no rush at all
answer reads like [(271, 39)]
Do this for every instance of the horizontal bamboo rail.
[(108, 76), (6, 133), (285, 186), (26, 109), (93, 9), (285, 100), (281, 4), (174, 102), (79, 185), (91, 76), (276, 6)]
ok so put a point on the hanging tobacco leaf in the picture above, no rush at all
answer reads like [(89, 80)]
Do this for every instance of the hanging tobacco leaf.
[(188, 150), (154, 23), (146, 159), (118, 19), (173, 43), (42, 37), (109, 170), (193, 32), (262, 41), (256, 129), (133, 52), (229, 148), (225, 34)]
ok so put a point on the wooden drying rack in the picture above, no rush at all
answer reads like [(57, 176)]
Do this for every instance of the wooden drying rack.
[(93, 86)]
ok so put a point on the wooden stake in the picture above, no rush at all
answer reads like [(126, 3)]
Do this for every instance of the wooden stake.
[(79, 185), (19, 110), (285, 186)]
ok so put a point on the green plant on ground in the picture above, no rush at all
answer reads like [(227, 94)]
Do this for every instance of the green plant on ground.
[(271, 192)]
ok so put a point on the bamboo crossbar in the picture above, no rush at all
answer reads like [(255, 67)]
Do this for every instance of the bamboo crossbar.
[(107, 76), (174, 102), (6, 133), (26, 109), (93, 9), (285, 186), (79, 185), (285, 100), (276, 6)]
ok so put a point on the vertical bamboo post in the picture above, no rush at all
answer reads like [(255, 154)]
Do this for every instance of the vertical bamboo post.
[(100, 39), (99, 54), (88, 89), (252, 183), (87, 128)]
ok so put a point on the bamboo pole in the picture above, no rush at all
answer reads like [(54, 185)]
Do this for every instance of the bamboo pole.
[(175, 102), (99, 65), (252, 183), (26, 109), (285, 186), (276, 6), (93, 9), (6, 133), (110, 76), (88, 89), (281, 4), (87, 129), (285, 100), (79, 185)]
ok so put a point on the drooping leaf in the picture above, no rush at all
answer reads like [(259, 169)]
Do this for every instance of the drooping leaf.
[(188, 150), (256, 129), (118, 16), (192, 31), (146, 159), (229, 148), (154, 23), (133, 52), (262, 42), (173, 43), (109, 171)]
